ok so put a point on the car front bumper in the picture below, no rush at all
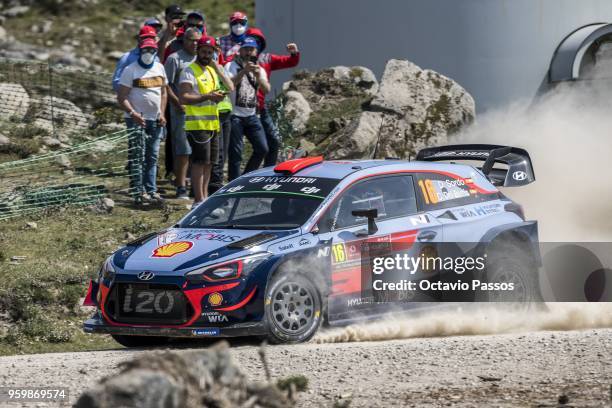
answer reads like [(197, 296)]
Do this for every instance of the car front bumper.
[(97, 325)]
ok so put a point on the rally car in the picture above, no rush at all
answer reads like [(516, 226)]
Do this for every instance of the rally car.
[(277, 251)]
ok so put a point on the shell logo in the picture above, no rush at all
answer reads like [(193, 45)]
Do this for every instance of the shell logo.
[(215, 299), (171, 249)]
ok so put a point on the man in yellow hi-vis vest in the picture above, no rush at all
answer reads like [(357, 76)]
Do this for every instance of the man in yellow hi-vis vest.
[(199, 92)]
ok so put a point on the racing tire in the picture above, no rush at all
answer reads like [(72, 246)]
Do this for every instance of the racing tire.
[(140, 341), (293, 309), (508, 262)]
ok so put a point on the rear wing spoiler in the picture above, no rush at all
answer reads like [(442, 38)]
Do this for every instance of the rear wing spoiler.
[(519, 171)]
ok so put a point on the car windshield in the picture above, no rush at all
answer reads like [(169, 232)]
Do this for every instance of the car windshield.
[(261, 203)]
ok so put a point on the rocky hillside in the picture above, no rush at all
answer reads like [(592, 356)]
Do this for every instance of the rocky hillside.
[(91, 33), (343, 112)]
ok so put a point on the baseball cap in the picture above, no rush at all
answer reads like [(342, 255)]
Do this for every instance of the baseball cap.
[(249, 42), (174, 10), (147, 31), (148, 43), (152, 22), (237, 15), (197, 14), (207, 40)]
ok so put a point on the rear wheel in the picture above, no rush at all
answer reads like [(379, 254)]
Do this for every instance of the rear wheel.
[(140, 341), (508, 263), (293, 308)]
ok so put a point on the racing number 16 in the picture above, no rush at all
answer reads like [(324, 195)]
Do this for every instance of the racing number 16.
[(428, 191), (338, 253)]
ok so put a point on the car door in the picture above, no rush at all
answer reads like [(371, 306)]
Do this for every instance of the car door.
[(400, 226)]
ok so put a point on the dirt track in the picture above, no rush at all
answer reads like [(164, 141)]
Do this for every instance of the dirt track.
[(529, 369)]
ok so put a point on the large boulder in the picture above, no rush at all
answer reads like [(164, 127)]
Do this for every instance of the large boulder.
[(298, 110), (413, 108), (15, 101), (65, 114)]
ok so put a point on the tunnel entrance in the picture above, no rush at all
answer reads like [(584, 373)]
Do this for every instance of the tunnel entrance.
[(585, 54)]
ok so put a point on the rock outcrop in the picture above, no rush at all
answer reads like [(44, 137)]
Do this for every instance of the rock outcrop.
[(358, 118)]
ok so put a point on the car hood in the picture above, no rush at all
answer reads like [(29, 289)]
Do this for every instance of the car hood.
[(179, 249)]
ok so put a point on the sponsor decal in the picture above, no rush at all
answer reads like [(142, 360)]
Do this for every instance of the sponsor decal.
[(519, 175), (205, 235), (171, 249), (323, 252), (145, 275), (285, 247), (206, 332), (304, 241), (461, 154), (419, 219), (215, 299), (215, 317)]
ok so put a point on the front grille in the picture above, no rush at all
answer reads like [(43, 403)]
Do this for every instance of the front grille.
[(148, 303)]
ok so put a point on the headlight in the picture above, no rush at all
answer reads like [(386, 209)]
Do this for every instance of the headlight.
[(228, 270), (107, 271)]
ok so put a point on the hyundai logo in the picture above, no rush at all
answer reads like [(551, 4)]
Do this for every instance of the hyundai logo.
[(145, 275), (519, 175)]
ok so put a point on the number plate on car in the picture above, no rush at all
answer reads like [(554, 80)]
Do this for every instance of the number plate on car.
[(143, 301)]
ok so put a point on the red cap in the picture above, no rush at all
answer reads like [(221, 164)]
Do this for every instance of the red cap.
[(256, 32), (148, 43), (147, 32), (237, 15), (207, 40)]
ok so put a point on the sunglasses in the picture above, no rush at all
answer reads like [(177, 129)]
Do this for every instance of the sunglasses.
[(241, 22)]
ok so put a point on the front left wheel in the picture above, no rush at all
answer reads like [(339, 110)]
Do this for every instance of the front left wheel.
[(293, 307)]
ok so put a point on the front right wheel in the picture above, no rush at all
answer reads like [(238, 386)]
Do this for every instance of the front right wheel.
[(293, 308)]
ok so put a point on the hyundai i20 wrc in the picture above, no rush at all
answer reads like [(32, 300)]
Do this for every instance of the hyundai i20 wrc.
[(276, 252)]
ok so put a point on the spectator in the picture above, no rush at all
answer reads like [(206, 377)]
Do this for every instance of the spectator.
[(175, 45), (175, 64), (248, 79), (198, 20), (132, 55), (199, 91), (174, 20), (194, 19), (225, 112), (271, 62), (155, 23), (230, 44), (142, 94)]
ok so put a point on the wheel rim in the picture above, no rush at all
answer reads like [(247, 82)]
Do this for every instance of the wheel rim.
[(293, 308), (519, 294)]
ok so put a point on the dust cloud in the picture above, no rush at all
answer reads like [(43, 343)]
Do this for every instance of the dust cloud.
[(489, 319), (568, 134)]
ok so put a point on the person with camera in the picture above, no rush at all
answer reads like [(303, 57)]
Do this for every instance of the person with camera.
[(199, 91), (174, 20), (248, 79), (142, 95)]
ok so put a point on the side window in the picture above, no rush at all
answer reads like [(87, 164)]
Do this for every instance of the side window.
[(392, 196), (440, 191)]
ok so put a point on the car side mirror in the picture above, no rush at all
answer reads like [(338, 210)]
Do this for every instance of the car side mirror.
[(371, 215)]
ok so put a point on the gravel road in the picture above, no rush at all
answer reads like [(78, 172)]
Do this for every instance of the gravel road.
[(524, 369)]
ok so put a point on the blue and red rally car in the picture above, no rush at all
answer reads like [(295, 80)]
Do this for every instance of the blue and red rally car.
[(277, 251)]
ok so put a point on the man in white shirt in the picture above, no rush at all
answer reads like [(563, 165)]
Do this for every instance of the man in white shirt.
[(142, 95), (248, 78)]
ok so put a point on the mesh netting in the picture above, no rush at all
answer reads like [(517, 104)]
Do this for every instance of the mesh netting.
[(57, 98), (78, 175)]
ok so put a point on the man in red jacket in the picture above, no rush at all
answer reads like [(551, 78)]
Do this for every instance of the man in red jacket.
[(271, 62)]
